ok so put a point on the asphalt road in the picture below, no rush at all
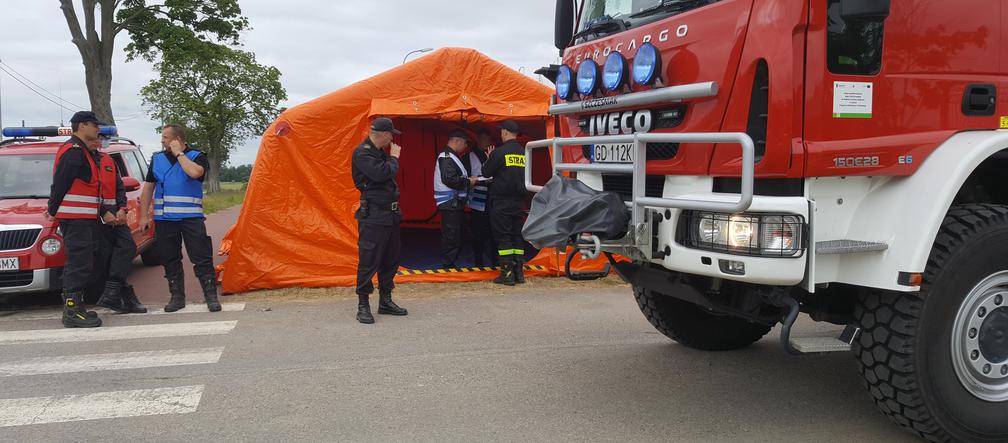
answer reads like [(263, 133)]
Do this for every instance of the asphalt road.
[(527, 365)]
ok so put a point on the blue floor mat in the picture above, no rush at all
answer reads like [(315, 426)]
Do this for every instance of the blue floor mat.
[(421, 250)]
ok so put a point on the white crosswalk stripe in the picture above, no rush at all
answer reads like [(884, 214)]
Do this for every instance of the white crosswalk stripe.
[(71, 404), (109, 362), (116, 404), (66, 335), (152, 310)]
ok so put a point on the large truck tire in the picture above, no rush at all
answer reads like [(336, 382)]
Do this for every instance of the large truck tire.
[(694, 326), (936, 361)]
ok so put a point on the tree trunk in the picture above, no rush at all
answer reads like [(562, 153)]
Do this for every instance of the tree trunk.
[(98, 79), (95, 41), (213, 175)]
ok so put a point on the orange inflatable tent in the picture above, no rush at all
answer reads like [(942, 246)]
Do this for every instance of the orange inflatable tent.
[(297, 228)]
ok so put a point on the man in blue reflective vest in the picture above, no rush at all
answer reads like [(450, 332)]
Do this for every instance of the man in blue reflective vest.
[(483, 243), (451, 191), (175, 184)]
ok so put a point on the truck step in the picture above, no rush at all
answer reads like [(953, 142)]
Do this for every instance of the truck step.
[(815, 345), (849, 246)]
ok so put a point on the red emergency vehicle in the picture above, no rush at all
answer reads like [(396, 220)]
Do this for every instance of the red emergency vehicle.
[(839, 158), (31, 248)]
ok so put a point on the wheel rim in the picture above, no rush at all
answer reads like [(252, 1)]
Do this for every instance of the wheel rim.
[(980, 339)]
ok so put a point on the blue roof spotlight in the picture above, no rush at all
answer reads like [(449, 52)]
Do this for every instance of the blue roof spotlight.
[(646, 64), (563, 82), (53, 131), (587, 78), (614, 72)]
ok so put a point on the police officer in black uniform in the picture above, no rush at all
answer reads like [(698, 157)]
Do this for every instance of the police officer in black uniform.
[(378, 239), (506, 165), (118, 250)]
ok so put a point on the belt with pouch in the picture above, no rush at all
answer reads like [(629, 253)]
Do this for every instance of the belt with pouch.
[(394, 206)]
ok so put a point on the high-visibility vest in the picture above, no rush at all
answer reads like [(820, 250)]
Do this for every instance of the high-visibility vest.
[(442, 193), (84, 199), (177, 196), (107, 172), (478, 196)]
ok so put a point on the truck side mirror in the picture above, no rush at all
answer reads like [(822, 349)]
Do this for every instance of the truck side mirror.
[(563, 30), (130, 184), (864, 9)]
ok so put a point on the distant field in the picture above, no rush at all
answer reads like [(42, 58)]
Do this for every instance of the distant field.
[(231, 194)]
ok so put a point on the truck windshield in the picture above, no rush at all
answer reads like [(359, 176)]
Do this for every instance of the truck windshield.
[(25, 176), (598, 16)]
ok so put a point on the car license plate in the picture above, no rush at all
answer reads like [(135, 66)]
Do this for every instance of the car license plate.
[(10, 264), (613, 153)]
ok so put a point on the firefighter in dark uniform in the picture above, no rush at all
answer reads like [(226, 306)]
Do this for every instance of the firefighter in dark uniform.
[(451, 191), (75, 200), (118, 245), (174, 183), (506, 165), (374, 175)]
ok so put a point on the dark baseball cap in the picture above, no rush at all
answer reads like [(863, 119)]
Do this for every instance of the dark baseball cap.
[(458, 133), (509, 125), (383, 124), (84, 116)]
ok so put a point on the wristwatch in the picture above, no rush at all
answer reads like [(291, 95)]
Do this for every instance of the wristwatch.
[(179, 154)]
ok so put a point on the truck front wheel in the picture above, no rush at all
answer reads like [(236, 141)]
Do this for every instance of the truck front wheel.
[(936, 361), (694, 326)]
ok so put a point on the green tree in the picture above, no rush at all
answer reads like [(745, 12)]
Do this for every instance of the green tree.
[(221, 94), (151, 25)]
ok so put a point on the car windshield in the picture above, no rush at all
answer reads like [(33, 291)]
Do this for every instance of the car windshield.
[(628, 14), (25, 176)]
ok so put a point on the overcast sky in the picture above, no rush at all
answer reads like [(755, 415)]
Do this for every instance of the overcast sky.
[(318, 45)]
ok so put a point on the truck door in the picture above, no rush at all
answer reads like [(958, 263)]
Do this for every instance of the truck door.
[(882, 94)]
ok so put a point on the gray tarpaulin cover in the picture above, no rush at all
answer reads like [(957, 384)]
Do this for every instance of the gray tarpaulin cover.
[(567, 206)]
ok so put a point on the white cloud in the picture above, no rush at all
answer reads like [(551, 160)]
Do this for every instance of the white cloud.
[(318, 45)]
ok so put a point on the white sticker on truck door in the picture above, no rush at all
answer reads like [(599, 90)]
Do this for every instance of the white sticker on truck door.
[(852, 100)]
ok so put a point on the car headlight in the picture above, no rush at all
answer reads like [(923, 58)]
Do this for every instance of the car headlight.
[(51, 246), (563, 82), (614, 72), (646, 64), (747, 234), (587, 78)]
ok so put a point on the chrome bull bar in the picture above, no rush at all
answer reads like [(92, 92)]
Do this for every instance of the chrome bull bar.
[(639, 201)]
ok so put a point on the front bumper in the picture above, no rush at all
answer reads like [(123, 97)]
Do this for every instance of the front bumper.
[(48, 279)]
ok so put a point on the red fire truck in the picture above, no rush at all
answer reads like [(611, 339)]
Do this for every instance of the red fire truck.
[(31, 247), (838, 158)]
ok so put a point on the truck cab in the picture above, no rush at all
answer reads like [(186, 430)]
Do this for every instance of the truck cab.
[(837, 158), (31, 247)]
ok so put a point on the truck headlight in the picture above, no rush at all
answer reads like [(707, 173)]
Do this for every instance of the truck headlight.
[(563, 82), (51, 246), (587, 77), (770, 235), (646, 64)]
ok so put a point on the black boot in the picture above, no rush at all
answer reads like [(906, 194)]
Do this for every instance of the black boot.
[(177, 289), (210, 294), (519, 270), (131, 301), (507, 275), (388, 307), (112, 298), (364, 310), (74, 315)]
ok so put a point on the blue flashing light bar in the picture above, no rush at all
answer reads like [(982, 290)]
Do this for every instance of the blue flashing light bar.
[(54, 131)]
